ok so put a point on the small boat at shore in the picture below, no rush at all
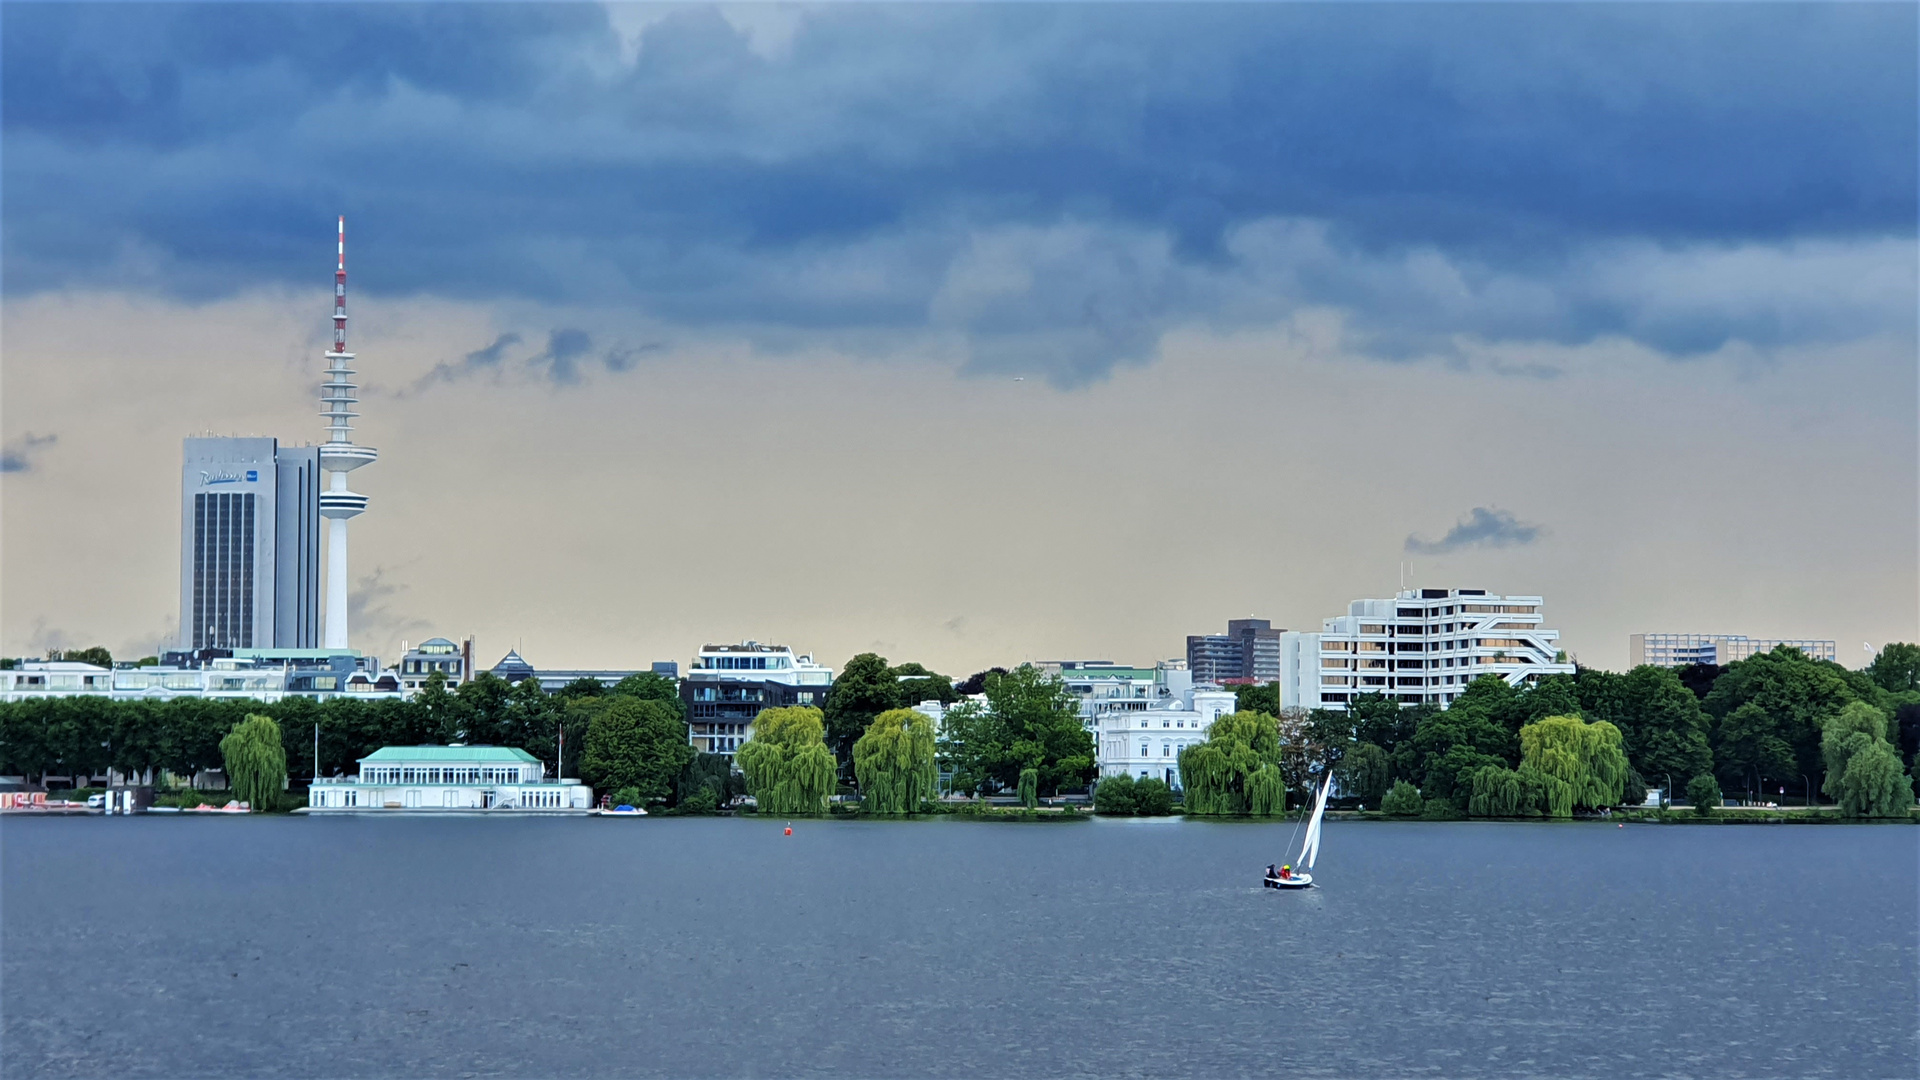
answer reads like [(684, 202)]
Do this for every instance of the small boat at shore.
[(623, 810), (1289, 878)]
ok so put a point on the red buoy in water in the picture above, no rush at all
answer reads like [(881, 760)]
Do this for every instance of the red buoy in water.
[(789, 830)]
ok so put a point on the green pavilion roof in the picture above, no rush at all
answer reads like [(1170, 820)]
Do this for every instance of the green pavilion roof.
[(401, 754)]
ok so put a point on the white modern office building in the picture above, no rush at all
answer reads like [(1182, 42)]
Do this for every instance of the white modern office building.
[(260, 674), (1680, 650), (728, 685), (442, 778), (1144, 742), (1423, 646)]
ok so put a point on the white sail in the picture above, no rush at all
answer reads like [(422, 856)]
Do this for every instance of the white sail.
[(1310, 849)]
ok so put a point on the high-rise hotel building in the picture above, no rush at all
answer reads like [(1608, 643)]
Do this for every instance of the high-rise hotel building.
[(1424, 646), (249, 544)]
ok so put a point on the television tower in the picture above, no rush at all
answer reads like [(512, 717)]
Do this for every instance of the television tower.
[(339, 456)]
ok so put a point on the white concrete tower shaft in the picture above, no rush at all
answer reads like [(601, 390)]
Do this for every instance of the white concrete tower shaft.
[(339, 456)]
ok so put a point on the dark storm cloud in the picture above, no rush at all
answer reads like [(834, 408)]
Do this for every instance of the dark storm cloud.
[(1057, 185), (479, 360), (1482, 527), (18, 455), (561, 358)]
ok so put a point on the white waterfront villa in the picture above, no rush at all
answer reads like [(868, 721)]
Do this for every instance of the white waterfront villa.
[(1146, 742), (424, 778)]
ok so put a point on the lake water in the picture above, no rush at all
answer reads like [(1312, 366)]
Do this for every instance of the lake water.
[(716, 947)]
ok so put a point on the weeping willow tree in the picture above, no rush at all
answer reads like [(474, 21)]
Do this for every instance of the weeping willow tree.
[(1267, 791), (1215, 772), (1029, 787), (894, 762), (256, 761), (1874, 786), (1497, 792), (1573, 763), (788, 766)]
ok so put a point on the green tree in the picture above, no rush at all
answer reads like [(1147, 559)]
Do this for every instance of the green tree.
[(1113, 795), (1402, 800), (1703, 792), (1448, 745), (894, 763), (652, 686), (256, 762), (1583, 762), (586, 686), (865, 688), (1365, 773), (917, 684), (1753, 747), (1897, 667), (1030, 720), (1029, 787), (1845, 734), (1796, 694), (1497, 792), (532, 722), (1214, 773), (788, 767), (1266, 791), (485, 702), (93, 654), (635, 743), (708, 772), (1257, 697), (1873, 785), (1152, 797)]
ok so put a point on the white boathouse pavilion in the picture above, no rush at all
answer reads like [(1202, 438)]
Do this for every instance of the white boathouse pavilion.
[(427, 778)]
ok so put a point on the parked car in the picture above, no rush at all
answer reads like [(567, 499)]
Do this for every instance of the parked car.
[(96, 802)]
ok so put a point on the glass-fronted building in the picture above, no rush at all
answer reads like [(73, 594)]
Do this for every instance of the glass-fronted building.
[(249, 544), (443, 778)]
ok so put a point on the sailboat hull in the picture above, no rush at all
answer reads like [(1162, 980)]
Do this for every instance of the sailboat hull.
[(1297, 881)]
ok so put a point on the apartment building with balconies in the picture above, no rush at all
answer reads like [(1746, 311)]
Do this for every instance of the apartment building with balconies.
[(1423, 646)]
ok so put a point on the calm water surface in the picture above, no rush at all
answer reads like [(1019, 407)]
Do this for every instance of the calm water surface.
[(567, 947)]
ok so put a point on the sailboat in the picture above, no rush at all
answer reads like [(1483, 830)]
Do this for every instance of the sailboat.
[(1290, 878)]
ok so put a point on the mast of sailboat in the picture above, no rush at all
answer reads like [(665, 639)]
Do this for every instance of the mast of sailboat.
[(1310, 848)]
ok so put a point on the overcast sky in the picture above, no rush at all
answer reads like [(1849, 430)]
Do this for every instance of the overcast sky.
[(977, 334)]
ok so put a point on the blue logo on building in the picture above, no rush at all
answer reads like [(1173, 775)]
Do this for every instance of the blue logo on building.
[(252, 475)]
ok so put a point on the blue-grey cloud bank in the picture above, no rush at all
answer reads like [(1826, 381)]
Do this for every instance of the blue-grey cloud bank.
[(1050, 187)]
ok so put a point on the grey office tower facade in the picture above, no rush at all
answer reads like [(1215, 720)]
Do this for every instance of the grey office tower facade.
[(249, 545)]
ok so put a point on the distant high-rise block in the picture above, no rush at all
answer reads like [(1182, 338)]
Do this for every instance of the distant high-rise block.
[(249, 544), (1248, 652), (1680, 650)]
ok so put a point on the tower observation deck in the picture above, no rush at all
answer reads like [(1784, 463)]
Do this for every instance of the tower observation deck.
[(339, 456)]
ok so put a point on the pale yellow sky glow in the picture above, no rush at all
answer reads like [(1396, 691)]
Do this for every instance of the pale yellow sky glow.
[(839, 504)]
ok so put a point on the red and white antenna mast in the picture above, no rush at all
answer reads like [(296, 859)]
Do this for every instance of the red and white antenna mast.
[(340, 293), (339, 455)]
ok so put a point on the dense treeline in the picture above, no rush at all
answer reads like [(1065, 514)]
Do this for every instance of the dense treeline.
[(87, 735), (1752, 728)]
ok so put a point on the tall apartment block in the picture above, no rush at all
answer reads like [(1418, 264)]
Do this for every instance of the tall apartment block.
[(249, 544), (1248, 652), (1680, 650), (1423, 646)]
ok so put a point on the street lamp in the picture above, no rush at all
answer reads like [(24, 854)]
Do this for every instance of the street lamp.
[(1809, 783), (1667, 796)]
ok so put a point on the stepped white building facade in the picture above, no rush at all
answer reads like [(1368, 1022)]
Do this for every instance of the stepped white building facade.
[(1145, 743), (1423, 646)]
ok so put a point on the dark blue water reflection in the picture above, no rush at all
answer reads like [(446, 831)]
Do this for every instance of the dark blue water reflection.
[(410, 946)]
